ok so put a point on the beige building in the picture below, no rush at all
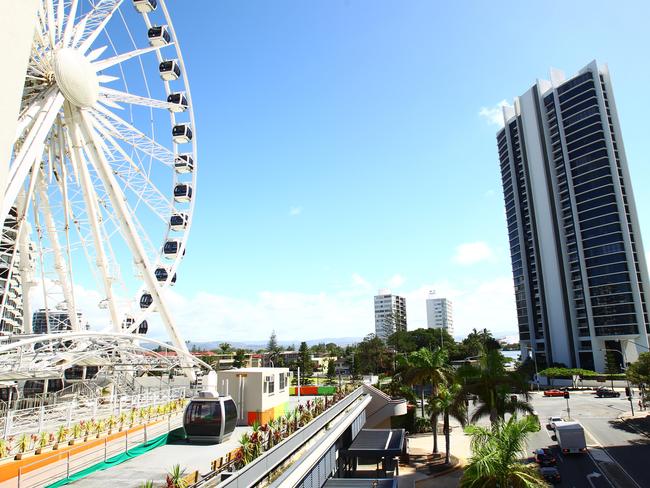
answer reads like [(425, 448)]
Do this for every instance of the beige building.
[(259, 393)]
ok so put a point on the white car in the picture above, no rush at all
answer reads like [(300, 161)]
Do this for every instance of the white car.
[(553, 420)]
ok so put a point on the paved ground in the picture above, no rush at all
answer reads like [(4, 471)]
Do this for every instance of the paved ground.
[(154, 464), (618, 450)]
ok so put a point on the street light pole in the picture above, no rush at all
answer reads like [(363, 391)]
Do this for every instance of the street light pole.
[(622, 353)]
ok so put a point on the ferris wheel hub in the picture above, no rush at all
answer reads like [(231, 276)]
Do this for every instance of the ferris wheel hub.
[(76, 77)]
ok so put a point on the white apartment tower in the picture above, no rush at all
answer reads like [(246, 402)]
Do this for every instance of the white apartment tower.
[(440, 314), (578, 263), (390, 314)]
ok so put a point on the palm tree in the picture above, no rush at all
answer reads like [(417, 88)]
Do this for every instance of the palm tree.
[(494, 386), (495, 456), (426, 367), (450, 401)]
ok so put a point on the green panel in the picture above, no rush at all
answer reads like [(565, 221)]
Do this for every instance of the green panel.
[(326, 390), (120, 458)]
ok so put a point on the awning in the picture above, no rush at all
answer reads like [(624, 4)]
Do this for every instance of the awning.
[(376, 443)]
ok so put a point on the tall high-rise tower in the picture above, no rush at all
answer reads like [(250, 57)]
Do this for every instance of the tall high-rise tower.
[(390, 314), (440, 314), (578, 264)]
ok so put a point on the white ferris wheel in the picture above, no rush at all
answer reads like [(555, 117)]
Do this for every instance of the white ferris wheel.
[(101, 186)]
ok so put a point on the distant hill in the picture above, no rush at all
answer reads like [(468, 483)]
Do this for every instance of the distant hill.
[(340, 341)]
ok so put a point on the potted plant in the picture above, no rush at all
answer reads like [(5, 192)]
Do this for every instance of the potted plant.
[(120, 420), (40, 442), (4, 449), (24, 443), (110, 423), (99, 428), (88, 428), (77, 430), (61, 436), (176, 477)]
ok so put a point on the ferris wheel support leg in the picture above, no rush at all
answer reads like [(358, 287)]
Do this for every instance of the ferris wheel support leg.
[(59, 260), (31, 148), (124, 216), (90, 198)]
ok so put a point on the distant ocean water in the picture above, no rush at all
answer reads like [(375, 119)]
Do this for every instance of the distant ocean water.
[(511, 354)]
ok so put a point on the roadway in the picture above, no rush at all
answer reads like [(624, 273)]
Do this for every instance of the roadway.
[(618, 451)]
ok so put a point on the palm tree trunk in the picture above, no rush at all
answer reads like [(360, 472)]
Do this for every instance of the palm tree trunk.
[(422, 398), (447, 437), (434, 420), (434, 431)]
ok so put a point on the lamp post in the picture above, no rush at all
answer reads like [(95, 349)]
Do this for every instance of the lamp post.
[(622, 353), (530, 349)]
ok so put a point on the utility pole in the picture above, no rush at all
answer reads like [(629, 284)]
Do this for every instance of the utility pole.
[(568, 408)]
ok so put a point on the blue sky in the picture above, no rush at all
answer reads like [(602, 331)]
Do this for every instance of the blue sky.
[(342, 150)]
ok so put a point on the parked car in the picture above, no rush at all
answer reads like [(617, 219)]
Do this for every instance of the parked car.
[(607, 393), (553, 393), (544, 457), (550, 474), (553, 420)]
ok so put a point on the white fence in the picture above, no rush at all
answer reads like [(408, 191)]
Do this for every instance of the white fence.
[(42, 473), (50, 417)]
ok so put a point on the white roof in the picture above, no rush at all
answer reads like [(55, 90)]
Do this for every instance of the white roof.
[(568, 425)]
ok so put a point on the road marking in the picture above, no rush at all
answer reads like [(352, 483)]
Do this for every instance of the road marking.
[(593, 475), (609, 458)]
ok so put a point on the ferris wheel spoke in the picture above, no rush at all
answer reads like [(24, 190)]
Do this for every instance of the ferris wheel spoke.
[(51, 23), (97, 28), (129, 231), (95, 53), (69, 24), (31, 148), (120, 58), (112, 95), (73, 117), (91, 25), (122, 130), (60, 17), (134, 177)]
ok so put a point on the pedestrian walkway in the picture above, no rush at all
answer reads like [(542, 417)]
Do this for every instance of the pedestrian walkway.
[(422, 444)]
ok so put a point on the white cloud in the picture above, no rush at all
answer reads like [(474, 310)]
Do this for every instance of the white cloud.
[(473, 252), (293, 315), (396, 281), (295, 211), (297, 316), (494, 114), (360, 281), (490, 193), (487, 304)]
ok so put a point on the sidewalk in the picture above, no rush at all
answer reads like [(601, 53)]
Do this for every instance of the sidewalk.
[(422, 444)]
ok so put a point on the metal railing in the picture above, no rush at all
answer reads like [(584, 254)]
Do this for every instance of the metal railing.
[(258, 469), (50, 416), (59, 466)]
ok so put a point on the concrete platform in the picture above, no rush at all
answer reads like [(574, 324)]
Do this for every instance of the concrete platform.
[(155, 464)]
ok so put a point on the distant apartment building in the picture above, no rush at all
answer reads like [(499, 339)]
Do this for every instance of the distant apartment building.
[(578, 263), (14, 269), (390, 314), (440, 314)]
